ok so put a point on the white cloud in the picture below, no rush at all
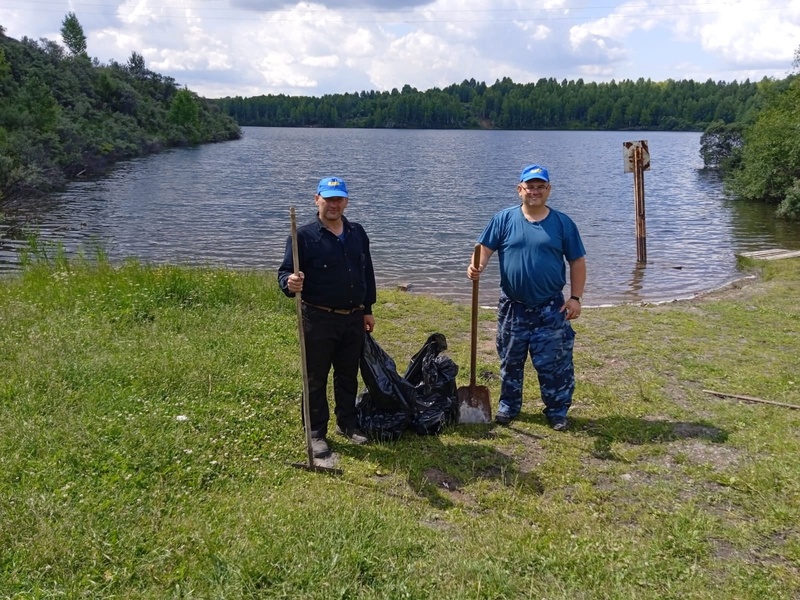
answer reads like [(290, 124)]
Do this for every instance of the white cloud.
[(137, 12), (326, 62), (753, 32), (539, 33), (115, 38), (359, 44), (589, 46), (277, 69), (402, 59)]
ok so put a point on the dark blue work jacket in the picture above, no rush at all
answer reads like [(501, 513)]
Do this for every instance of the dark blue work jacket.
[(338, 274)]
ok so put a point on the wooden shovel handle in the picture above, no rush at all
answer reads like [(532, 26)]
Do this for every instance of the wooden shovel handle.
[(302, 338), (473, 350)]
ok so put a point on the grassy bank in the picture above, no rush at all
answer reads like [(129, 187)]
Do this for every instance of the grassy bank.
[(148, 417)]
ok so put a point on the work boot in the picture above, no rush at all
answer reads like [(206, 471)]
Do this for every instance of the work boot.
[(354, 434), (320, 448), (502, 418)]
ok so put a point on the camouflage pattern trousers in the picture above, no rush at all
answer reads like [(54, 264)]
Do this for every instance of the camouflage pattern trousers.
[(546, 334)]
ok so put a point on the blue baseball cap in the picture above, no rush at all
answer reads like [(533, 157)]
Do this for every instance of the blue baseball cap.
[(331, 187), (534, 172)]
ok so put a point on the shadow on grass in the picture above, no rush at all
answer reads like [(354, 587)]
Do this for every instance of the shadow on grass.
[(439, 468), (636, 431), (627, 430)]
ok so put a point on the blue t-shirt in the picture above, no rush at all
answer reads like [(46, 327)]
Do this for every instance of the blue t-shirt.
[(532, 267)]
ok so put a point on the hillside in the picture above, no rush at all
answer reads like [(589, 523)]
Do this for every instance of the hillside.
[(64, 115)]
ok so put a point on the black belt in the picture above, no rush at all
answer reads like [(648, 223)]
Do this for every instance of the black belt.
[(338, 311)]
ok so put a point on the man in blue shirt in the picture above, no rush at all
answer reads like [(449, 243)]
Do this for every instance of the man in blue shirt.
[(533, 241), (337, 282)]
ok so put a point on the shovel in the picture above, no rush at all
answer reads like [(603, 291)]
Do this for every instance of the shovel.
[(310, 465), (474, 405)]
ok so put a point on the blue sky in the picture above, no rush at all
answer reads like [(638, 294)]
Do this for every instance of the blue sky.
[(223, 48)]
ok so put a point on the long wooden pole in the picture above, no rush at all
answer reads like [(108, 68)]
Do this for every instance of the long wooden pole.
[(301, 336), (751, 399), (310, 465), (638, 196), (473, 335)]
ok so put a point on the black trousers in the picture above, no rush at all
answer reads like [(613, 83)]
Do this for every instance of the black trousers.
[(332, 340)]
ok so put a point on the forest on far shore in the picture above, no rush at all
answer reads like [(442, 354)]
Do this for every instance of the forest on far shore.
[(547, 104)]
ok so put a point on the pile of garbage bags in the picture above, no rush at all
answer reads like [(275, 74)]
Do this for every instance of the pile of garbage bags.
[(424, 399)]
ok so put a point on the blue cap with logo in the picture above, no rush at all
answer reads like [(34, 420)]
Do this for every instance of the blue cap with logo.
[(331, 187), (534, 172)]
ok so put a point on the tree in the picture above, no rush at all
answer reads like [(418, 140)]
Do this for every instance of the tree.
[(40, 108), (184, 111), (5, 67), (136, 66), (789, 208), (770, 158), (72, 35)]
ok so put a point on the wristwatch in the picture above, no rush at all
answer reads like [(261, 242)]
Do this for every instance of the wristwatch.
[(578, 298)]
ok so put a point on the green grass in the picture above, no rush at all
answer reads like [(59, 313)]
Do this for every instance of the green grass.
[(149, 416)]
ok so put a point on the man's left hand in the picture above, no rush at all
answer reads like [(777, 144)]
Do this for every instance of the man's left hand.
[(572, 308)]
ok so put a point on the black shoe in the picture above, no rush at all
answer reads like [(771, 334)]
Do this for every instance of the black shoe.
[(320, 448), (354, 434), (559, 423), (502, 419)]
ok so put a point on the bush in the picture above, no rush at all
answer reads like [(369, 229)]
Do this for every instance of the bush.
[(770, 156), (789, 208)]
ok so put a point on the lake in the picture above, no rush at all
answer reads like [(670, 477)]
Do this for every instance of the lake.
[(423, 196)]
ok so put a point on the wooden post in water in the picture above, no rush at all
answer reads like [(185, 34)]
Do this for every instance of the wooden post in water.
[(638, 199), (637, 160)]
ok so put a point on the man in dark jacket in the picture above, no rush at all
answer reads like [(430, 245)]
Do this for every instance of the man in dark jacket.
[(337, 282)]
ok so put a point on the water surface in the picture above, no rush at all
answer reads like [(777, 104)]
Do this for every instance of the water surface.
[(423, 196)]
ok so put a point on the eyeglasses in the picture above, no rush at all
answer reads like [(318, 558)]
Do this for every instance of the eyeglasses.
[(534, 188)]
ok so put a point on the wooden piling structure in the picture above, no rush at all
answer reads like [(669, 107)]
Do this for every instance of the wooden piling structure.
[(638, 199), (637, 161)]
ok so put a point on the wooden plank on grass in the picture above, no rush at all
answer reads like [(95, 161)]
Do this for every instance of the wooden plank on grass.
[(750, 399), (773, 254)]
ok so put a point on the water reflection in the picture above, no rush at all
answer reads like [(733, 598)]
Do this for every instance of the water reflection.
[(633, 293), (423, 196)]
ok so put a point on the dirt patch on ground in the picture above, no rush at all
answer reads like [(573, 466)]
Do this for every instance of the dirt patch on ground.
[(448, 484), (442, 480)]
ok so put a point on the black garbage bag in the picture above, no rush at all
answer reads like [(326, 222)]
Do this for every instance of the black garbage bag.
[(433, 376), (380, 424), (386, 408), (425, 398)]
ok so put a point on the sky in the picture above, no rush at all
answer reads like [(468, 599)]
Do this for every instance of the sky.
[(220, 48)]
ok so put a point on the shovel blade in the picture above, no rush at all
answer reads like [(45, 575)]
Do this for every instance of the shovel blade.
[(474, 405)]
